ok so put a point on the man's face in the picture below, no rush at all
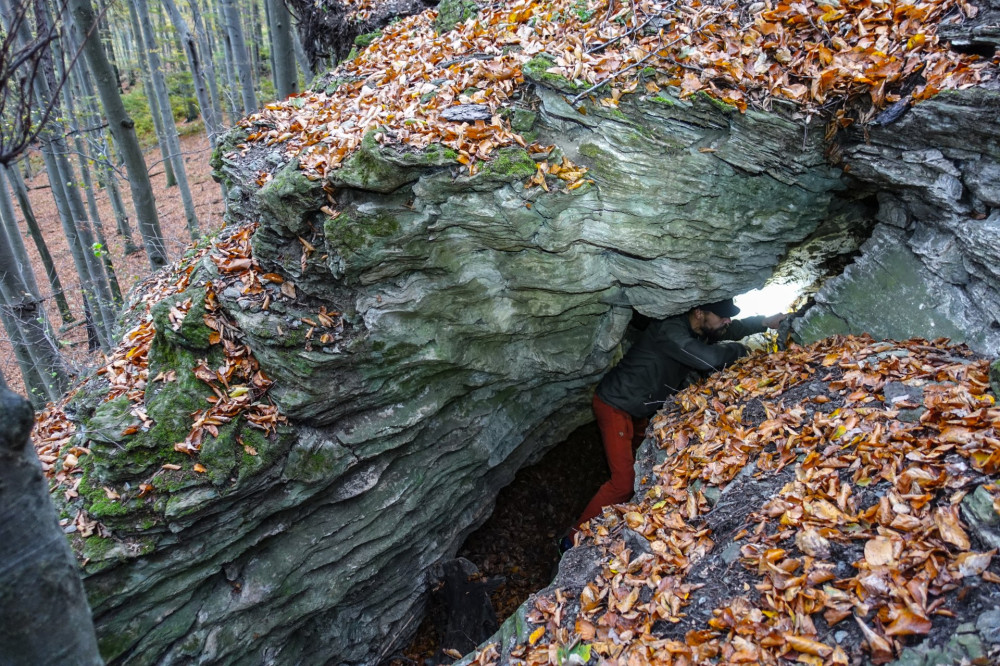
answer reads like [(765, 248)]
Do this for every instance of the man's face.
[(713, 325)]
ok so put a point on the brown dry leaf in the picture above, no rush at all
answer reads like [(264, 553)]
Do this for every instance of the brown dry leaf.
[(879, 552), (879, 647), (906, 623), (808, 645), (812, 543), (973, 564), (288, 289), (946, 520)]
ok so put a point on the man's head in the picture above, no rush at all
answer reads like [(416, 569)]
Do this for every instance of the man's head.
[(712, 319)]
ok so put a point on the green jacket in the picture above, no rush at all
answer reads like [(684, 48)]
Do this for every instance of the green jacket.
[(661, 360)]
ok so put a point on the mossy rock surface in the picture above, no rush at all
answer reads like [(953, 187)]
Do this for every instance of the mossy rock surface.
[(289, 198), (453, 12)]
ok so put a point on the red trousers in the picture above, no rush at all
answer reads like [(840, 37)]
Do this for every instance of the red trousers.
[(620, 432)]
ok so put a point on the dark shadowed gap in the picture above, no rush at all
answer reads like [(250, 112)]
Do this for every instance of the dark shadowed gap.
[(518, 541)]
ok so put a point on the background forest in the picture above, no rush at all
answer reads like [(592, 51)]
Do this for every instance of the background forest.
[(124, 100)]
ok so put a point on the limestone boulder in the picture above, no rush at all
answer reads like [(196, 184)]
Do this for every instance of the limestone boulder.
[(475, 315)]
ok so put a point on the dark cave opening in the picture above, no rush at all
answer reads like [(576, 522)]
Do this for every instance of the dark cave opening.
[(518, 541)]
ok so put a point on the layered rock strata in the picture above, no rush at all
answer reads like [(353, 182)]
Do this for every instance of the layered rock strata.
[(477, 315), (932, 266)]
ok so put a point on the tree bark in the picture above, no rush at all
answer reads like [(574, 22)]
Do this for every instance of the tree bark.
[(123, 130), (21, 193), (283, 52), (152, 98), (15, 240), (83, 159), (43, 606), (198, 76), (241, 56), (173, 143), (208, 61), (300, 55), (24, 309)]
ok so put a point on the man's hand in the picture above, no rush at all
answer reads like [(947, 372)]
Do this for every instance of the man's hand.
[(774, 320)]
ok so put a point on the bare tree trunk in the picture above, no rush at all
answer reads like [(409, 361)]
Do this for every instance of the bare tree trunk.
[(123, 129), (43, 606), (208, 61), (232, 82), (300, 55), (194, 61), (256, 39), (34, 387), (24, 308), (14, 238), (173, 143), (21, 193), (95, 282), (152, 98), (241, 56), (106, 176), (282, 53), (83, 158)]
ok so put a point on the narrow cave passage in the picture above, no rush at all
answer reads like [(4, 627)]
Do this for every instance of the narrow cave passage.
[(518, 541)]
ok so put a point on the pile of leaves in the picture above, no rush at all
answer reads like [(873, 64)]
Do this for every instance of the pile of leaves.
[(819, 54), (860, 454), (239, 387)]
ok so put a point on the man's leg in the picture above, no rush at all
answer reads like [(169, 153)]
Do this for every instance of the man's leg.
[(616, 433)]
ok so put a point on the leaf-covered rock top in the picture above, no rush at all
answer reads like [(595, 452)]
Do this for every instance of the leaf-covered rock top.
[(828, 504), (818, 54)]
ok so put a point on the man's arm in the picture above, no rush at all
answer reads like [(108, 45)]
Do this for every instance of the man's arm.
[(741, 328), (684, 348)]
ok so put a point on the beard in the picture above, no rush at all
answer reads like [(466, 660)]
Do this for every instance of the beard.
[(718, 332)]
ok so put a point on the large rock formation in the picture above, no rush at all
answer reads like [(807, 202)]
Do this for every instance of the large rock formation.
[(932, 266), (477, 315), (427, 332)]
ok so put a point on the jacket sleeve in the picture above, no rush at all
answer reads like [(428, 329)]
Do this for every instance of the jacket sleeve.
[(741, 328), (684, 348)]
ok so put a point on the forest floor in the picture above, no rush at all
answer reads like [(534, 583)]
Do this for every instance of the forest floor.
[(207, 197)]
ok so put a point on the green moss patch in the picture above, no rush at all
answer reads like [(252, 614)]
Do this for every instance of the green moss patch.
[(535, 70), (453, 12)]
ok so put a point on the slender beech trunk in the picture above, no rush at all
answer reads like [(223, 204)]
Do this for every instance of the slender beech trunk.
[(109, 47), (95, 282), (257, 38), (151, 97), (72, 90), (106, 176), (232, 82), (123, 130), (17, 249), (282, 53), (173, 143), (300, 56), (21, 193), (194, 61), (241, 56), (34, 386), (208, 62), (22, 306)]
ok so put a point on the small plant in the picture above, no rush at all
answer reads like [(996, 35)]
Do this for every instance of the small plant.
[(582, 12)]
